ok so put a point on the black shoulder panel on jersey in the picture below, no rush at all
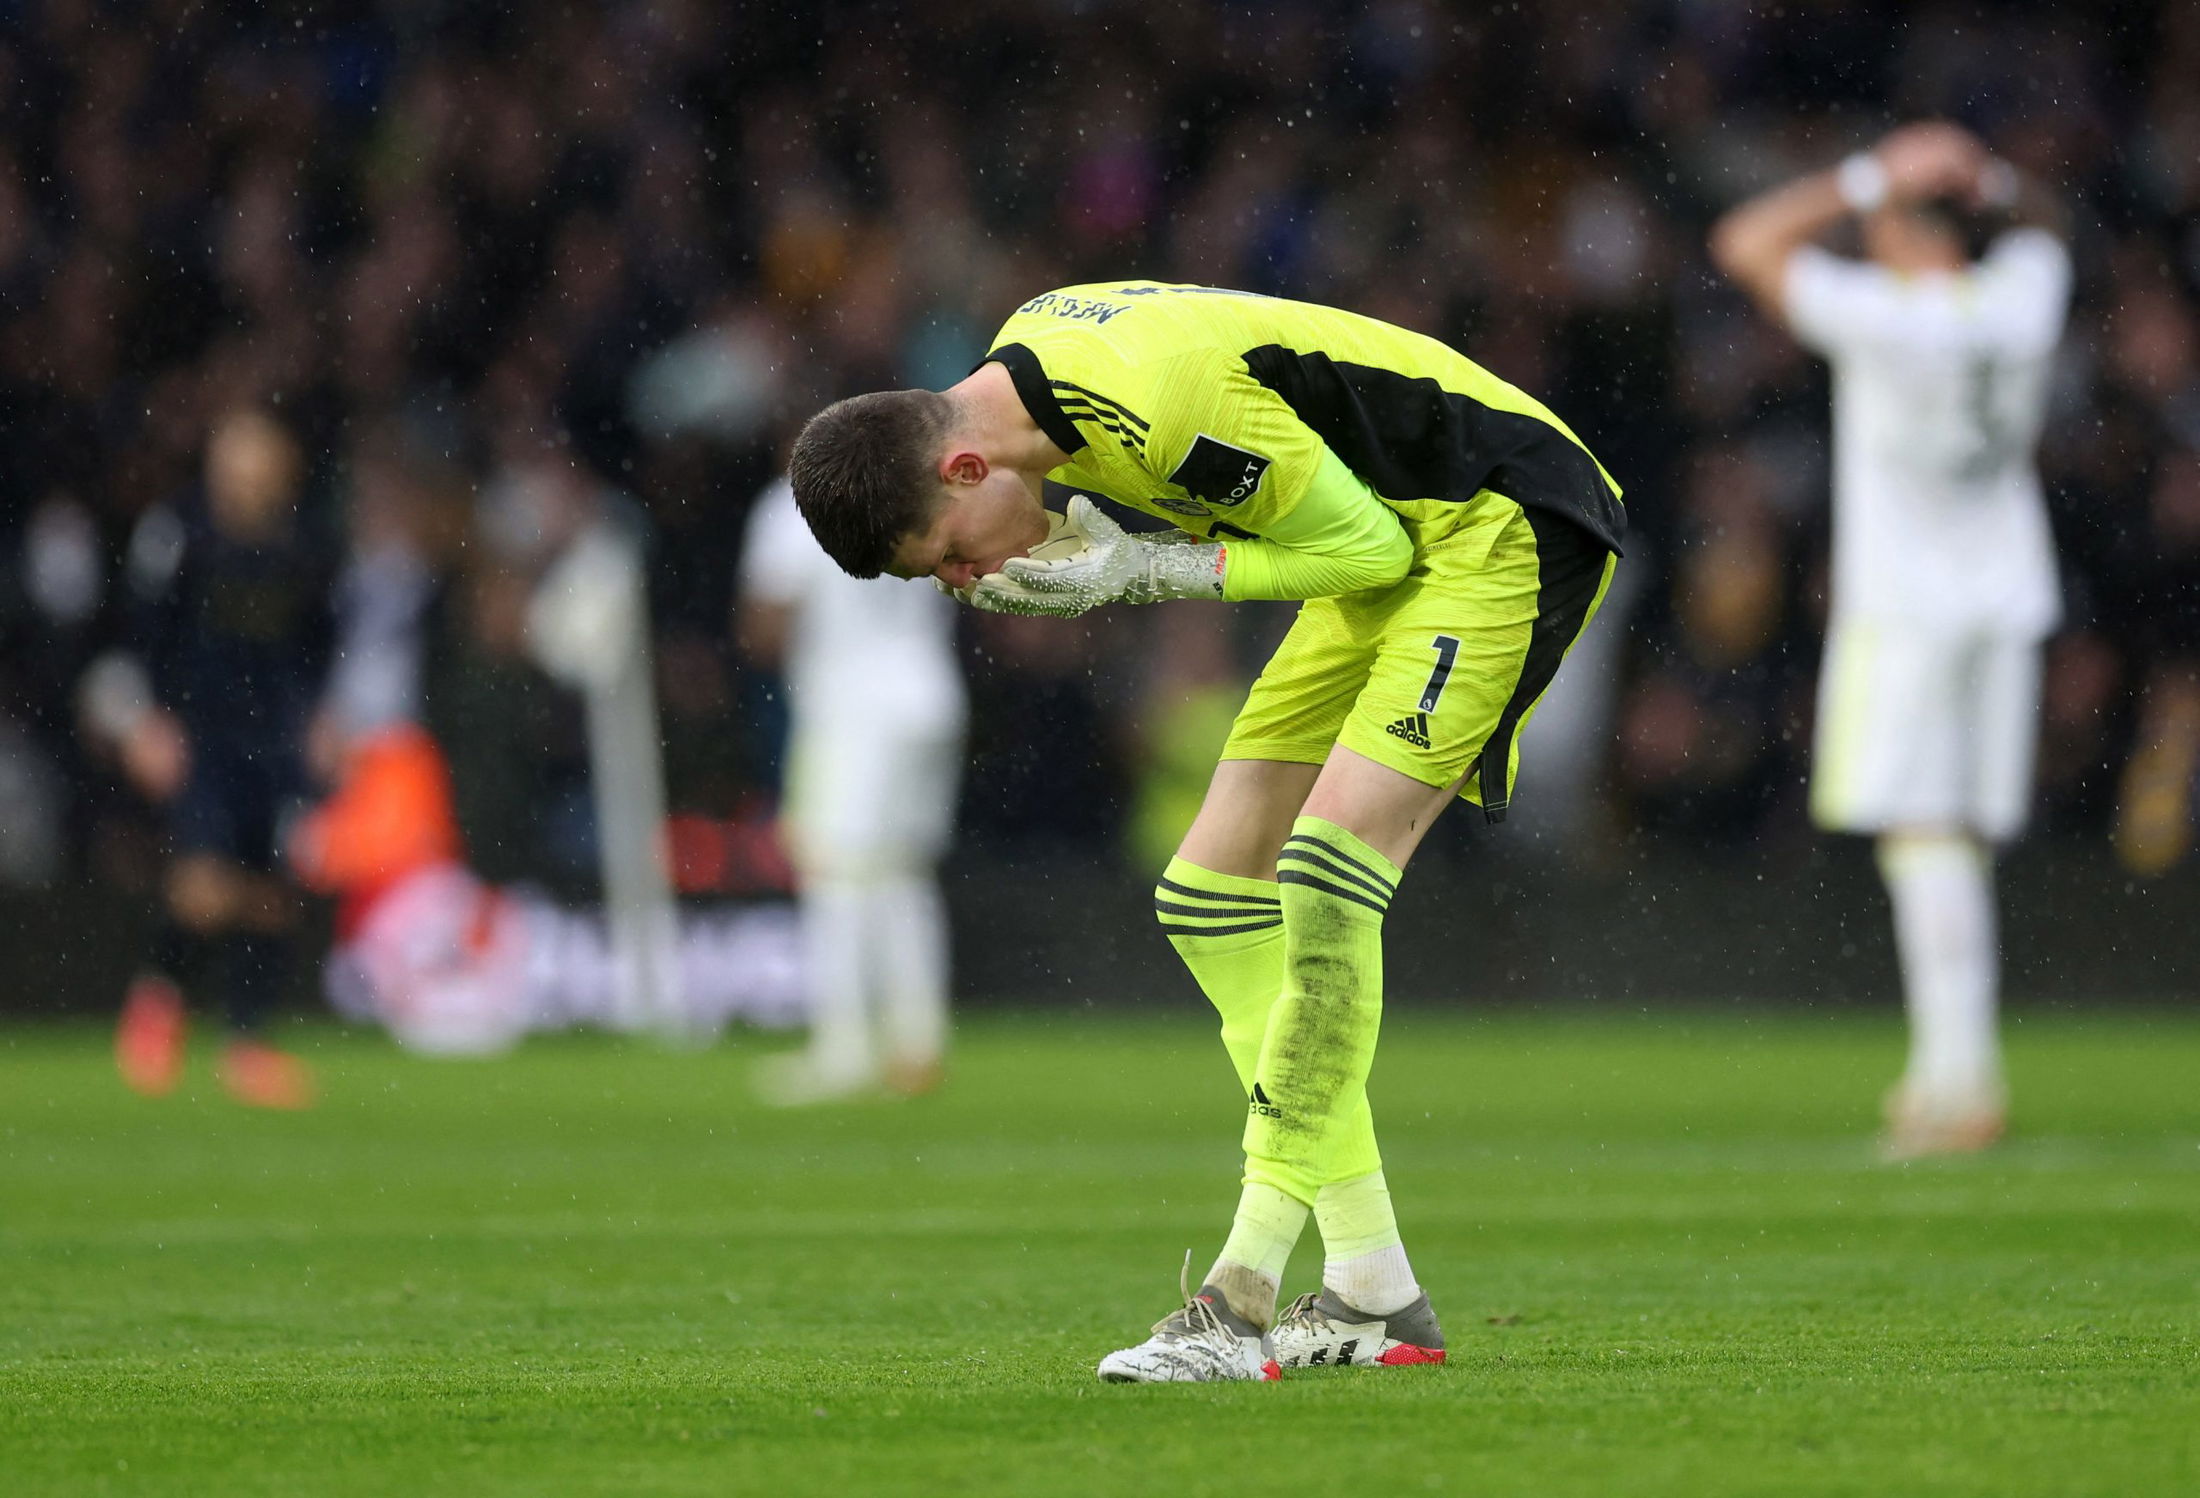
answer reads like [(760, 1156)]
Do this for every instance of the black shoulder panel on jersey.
[(1412, 439), (1037, 395)]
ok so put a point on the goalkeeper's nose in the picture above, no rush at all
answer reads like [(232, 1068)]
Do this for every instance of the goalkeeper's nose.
[(963, 574)]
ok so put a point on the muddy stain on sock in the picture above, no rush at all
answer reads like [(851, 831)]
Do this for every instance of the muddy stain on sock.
[(1322, 1033)]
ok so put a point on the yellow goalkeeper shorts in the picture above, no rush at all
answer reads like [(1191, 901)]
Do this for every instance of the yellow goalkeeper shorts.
[(1437, 674)]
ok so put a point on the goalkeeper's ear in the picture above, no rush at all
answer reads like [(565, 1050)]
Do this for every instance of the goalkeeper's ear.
[(963, 467)]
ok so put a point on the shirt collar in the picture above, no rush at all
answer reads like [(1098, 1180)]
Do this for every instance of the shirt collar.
[(1037, 395)]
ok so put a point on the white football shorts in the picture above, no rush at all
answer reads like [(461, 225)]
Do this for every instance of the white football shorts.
[(1924, 728), (864, 798)]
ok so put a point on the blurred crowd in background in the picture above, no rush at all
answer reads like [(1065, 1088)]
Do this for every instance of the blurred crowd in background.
[(501, 269)]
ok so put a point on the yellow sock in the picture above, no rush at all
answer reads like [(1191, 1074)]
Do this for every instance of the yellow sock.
[(1250, 1268), (1308, 1122), (1355, 1217), (1229, 931), (1363, 1259)]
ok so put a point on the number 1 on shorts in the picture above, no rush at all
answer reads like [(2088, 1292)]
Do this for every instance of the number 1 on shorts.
[(1447, 651)]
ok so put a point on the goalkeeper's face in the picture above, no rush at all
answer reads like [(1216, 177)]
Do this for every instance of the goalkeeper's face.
[(973, 528)]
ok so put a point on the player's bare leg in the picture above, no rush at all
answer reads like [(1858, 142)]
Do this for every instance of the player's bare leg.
[(1248, 812)]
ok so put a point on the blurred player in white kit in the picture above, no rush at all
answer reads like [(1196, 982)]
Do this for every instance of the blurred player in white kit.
[(874, 756), (1944, 583)]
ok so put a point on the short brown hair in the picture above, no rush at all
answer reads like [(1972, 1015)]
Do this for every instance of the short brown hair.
[(863, 474)]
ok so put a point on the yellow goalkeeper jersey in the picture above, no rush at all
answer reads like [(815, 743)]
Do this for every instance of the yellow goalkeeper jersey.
[(1212, 408)]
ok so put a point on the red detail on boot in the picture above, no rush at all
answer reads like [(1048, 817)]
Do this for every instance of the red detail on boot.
[(149, 1037), (1405, 1353)]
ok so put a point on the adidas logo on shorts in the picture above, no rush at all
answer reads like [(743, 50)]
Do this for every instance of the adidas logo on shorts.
[(1413, 728)]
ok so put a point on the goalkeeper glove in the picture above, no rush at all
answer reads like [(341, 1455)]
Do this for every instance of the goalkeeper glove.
[(1115, 566)]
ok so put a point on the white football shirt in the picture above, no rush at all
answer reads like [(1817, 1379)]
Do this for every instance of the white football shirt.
[(877, 652), (1939, 391)]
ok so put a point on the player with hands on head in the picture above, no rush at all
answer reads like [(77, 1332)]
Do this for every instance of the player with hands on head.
[(1944, 583), (1449, 538)]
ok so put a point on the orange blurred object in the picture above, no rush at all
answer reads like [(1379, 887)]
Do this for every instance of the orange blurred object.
[(391, 815), (149, 1037)]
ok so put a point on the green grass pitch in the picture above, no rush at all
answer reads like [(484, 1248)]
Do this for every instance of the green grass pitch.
[(1665, 1256)]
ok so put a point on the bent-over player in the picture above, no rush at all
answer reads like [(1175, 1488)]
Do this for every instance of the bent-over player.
[(1450, 537)]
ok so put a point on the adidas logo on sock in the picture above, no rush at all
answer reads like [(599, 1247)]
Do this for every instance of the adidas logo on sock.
[(1261, 1105), (1413, 728)]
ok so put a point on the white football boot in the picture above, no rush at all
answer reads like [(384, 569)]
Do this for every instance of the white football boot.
[(1321, 1331), (799, 1079), (1921, 1124), (1205, 1342)]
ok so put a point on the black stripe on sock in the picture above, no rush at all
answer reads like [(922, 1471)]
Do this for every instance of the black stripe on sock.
[(1337, 870), (1293, 876), (1176, 930), (1253, 912), (1317, 866), (1342, 857), (1190, 893)]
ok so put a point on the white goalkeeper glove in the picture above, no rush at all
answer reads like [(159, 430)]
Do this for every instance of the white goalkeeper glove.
[(1114, 566)]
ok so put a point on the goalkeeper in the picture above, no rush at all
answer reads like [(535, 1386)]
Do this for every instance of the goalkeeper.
[(1450, 537)]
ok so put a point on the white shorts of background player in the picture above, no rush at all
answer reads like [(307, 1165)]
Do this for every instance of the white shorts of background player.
[(870, 806), (866, 797), (1922, 728)]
